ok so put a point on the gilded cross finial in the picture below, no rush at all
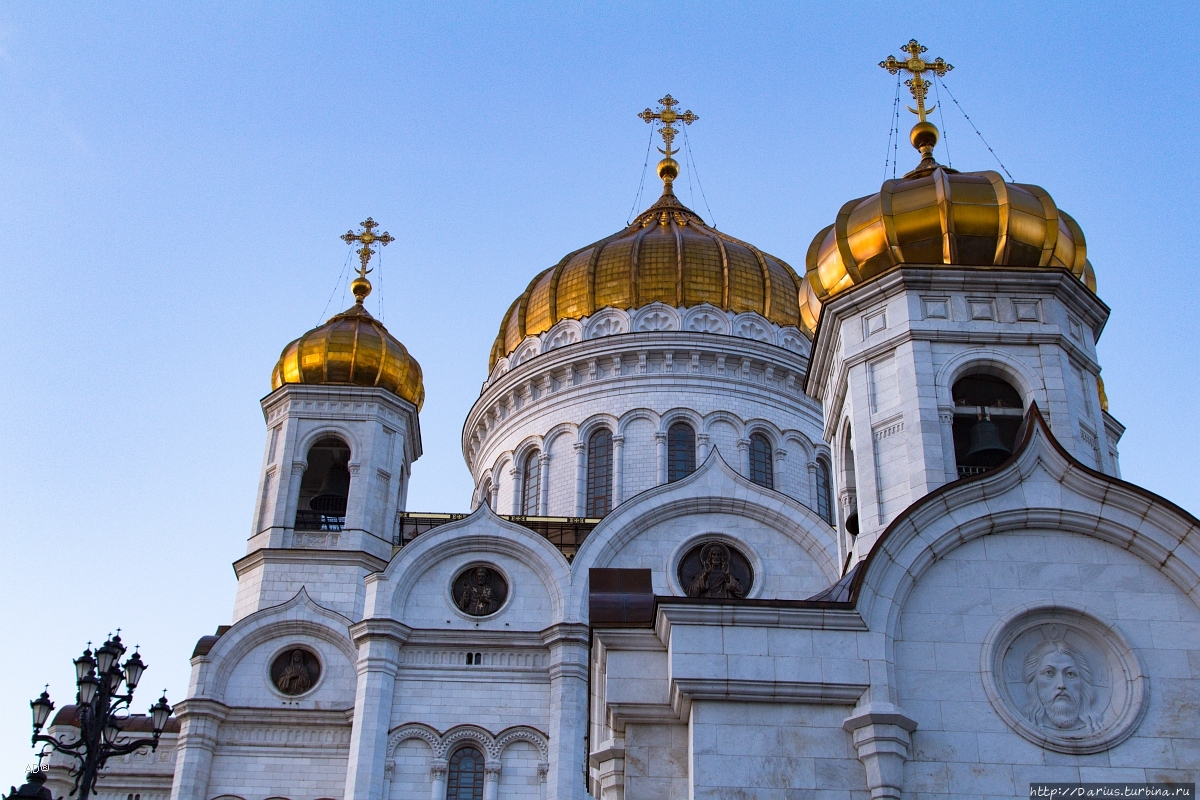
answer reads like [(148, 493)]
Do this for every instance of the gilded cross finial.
[(924, 135), (367, 237), (668, 115), (917, 66)]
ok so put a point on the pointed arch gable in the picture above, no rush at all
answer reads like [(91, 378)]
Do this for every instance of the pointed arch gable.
[(716, 488), (1040, 486), (481, 532), (300, 616)]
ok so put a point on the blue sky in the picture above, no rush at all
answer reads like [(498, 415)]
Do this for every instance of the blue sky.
[(176, 178)]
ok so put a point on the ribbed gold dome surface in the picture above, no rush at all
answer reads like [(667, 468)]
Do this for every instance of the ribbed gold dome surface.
[(667, 255), (352, 348), (937, 215)]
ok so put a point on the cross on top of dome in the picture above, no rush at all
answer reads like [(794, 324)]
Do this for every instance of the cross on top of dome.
[(367, 236), (668, 168), (924, 135)]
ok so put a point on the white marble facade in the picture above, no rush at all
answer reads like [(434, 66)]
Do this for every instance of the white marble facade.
[(1037, 622)]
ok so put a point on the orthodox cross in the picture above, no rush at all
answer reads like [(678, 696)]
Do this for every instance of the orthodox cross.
[(668, 116), (916, 65), (367, 236)]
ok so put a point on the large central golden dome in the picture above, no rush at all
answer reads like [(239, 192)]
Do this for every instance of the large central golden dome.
[(668, 255)]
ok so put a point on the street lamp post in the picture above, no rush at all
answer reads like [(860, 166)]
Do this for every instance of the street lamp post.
[(103, 709)]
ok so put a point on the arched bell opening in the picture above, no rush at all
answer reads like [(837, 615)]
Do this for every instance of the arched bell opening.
[(325, 487), (987, 415)]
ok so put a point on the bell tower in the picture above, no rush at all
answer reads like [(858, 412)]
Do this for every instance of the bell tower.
[(342, 434), (949, 302)]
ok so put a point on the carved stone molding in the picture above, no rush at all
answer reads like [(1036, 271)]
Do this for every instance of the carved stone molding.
[(492, 745), (1064, 679)]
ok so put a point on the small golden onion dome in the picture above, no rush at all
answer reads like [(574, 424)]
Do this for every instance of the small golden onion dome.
[(352, 348), (669, 255), (937, 215)]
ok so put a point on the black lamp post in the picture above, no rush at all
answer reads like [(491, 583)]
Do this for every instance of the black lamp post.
[(103, 709)]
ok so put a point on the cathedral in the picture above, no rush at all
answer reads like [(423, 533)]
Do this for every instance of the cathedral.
[(739, 530)]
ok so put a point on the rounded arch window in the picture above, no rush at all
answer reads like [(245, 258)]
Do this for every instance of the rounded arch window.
[(599, 473), (987, 415), (681, 451), (464, 778), (325, 487), (762, 470), (531, 484), (824, 492)]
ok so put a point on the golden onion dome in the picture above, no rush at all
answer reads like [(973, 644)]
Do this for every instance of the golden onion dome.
[(351, 349), (936, 215), (668, 255)]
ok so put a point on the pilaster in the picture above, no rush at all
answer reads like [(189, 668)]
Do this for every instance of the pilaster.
[(379, 642)]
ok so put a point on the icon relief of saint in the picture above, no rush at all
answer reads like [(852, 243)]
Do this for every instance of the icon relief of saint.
[(295, 678), (477, 597), (714, 579)]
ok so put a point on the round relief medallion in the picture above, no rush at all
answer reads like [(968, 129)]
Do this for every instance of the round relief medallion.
[(295, 671), (714, 569), (1064, 679), (479, 591)]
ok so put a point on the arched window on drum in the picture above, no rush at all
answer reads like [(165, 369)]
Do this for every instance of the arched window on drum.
[(824, 491), (599, 473), (762, 470), (987, 415), (325, 487), (681, 451), (531, 484), (464, 778)]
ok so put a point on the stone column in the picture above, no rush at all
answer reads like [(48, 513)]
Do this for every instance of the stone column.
[(491, 780), (568, 645), (702, 444), (544, 494), (437, 778), (660, 446), (618, 468), (293, 494), (379, 642), (199, 721), (356, 501), (580, 478), (777, 468), (743, 446), (518, 489), (494, 497), (812, 487), (882, 736), (946, 420)]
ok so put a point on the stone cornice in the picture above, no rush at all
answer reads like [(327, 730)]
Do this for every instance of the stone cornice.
[(778, 380), (376, 628), (478, 639), (565, 633), (1018, 282), (686, 690), (354, 403), (815, 618), (278, 555)]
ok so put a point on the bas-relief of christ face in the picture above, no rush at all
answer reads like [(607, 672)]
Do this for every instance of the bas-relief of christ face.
[(1058, 680)]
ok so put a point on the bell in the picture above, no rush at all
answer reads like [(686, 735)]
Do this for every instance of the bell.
[(986, 450), (331, 497)]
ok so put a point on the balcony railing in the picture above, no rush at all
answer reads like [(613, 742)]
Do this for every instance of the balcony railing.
[(316, 521), (565, 533), (966, 472)]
